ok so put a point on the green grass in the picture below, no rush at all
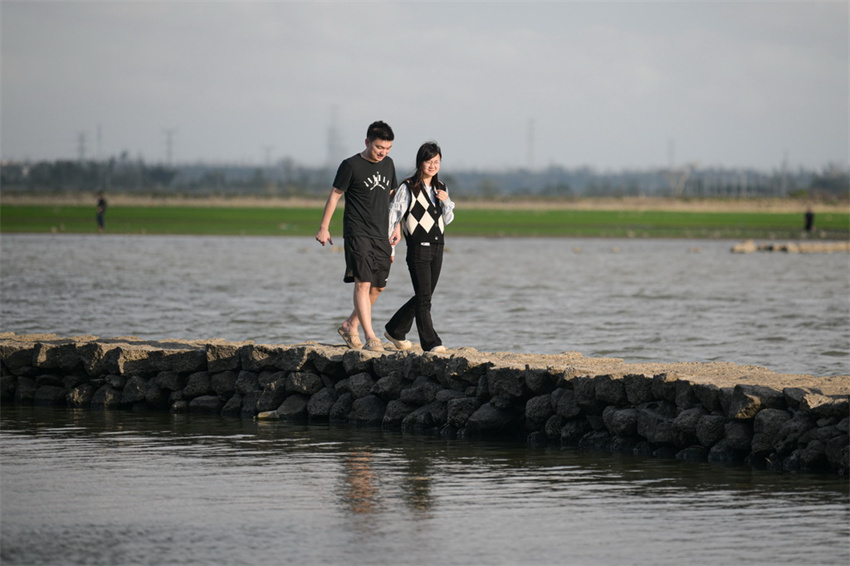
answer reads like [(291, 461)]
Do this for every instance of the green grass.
[(267, 221)]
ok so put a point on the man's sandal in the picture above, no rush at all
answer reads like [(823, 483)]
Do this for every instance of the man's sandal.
[(352, 339)]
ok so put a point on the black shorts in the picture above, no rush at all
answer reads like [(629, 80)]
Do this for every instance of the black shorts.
[(367, 260)]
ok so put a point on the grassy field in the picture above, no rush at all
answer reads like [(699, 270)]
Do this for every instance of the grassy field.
[(469, 221)]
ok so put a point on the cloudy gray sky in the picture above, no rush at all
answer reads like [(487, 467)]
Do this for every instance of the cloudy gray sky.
[(499, 85)]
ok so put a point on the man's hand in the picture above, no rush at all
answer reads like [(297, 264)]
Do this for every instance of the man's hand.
[(324, 236)]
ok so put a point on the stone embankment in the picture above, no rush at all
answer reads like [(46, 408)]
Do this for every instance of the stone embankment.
[(821, 247), (715, 411)]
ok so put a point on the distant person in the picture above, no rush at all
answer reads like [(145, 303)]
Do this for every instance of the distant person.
[(422, 207), (809, 219), (367, 180), (101, 212)]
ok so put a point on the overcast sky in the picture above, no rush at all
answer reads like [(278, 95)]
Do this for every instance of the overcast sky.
[(498, 85)]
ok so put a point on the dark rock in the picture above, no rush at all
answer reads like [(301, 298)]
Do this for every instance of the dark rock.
[(361, 385), (823, 406), (620, 422), (685, 426), (655, 424), (106, 397), (638, 388), (395, 414), (25, 390), (489, 420), (156, 396), (264, 378), (739, 435), (171, 381), (49, 379), (537, 412), (598, 441), (568, 405), (179, 407), (460, 410), (50, 396), (223, 383), (664, 387), (206, 404), (304, 382), (693, 453), (357, 361), (222, 357), (610, 390), (369, 409), (708, 395), (8, 384), (542, 381), (294, 407), (748, 400), (180, 361), (711, 429), (80, 396), (508, 382), (199, 384), (789, 434), (446, 395), (584, 388), (246, 382), (319, 406), (250, 400), (723, 453), (421, 392), (425, 419), (134, 390), (573, 430), (272, 396), (342, 407), (233, 406), (553, 427), (389, 387), (56, 356), (686, 397), (18, 358)]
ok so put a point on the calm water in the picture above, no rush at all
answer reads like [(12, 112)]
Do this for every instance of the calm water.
[(667, 301), (83, 487), (79, 487)]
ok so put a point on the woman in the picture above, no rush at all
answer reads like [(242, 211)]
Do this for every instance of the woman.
[(422, 207)]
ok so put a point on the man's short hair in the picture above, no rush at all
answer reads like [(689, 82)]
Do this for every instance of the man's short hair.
[(379, 131)]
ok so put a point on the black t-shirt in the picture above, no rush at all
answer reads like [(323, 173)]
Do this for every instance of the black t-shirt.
[(367, 189)]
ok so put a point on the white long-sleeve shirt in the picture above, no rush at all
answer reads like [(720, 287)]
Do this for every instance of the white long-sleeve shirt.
[(401, 203)]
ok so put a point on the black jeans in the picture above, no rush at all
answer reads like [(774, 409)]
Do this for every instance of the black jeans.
[(424, 264)]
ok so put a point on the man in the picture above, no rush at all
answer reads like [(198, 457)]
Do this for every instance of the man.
[(366, 179)]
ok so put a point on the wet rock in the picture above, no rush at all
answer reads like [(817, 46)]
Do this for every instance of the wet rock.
[(421, 392), (685, 426), (695, 453), (106, 397), (489, 420), (789, 434), (568, 405), (171, 381), (49, 396), (342, 407), (573, 430), (206, 404), (711, 429), (739, 435), (294, 407), (80, 396), (460, 410), (233, 407), (621, 422), (319, 406), (395, 414), (369, 409), (25, 390), (250, 401), (272, 395)]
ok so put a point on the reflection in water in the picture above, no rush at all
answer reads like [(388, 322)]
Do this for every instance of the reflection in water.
[(362, 493), (122, 487)]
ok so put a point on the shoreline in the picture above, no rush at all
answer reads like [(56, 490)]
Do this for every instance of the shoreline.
[(766, 205)]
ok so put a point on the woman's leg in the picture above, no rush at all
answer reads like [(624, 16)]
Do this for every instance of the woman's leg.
[(424, 272)]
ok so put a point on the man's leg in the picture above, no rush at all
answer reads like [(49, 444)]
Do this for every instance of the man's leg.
[(365, 295)]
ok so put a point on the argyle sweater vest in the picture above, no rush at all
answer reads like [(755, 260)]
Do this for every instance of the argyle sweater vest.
[(423, 221)]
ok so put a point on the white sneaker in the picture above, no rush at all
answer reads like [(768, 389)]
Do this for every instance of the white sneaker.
[(399, 344), (438, 349)]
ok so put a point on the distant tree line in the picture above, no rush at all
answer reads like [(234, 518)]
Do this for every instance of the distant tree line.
[(288, 179)]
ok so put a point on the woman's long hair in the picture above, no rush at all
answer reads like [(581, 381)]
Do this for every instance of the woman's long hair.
[(427, 151)]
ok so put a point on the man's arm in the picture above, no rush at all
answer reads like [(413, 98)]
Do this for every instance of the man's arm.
[(324, 235)]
